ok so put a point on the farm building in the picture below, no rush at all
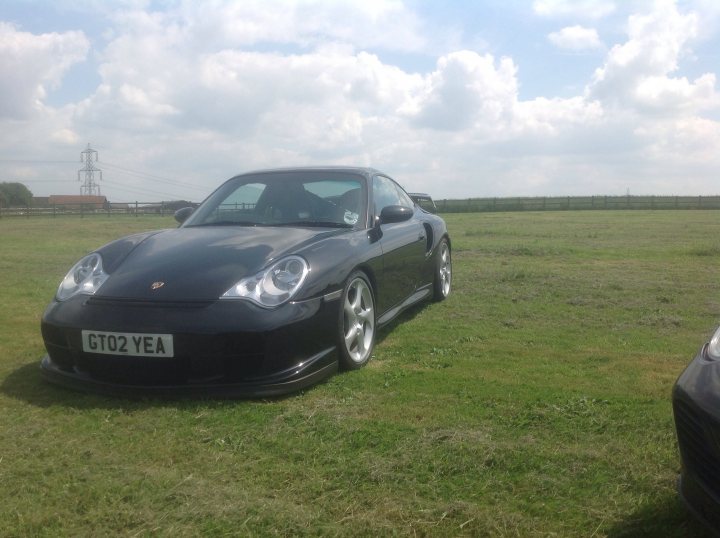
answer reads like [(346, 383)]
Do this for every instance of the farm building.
[(76, 201)]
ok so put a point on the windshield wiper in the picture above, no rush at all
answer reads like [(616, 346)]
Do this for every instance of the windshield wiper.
[(226, 223), (314, 224)]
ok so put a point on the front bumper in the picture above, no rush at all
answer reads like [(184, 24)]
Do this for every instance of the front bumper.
[(222, 348), (316, 371), (696, 406)]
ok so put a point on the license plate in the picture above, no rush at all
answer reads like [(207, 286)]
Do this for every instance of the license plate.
[(131, 344)]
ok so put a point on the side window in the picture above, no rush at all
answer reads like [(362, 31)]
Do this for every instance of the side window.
[(386, 192), (404, 198)]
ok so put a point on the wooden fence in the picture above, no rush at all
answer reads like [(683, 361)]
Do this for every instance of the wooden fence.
[(468, 205), (86, 210), (576, 203)]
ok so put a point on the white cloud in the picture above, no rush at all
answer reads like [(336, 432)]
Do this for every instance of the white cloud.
[(464, 91), (555, 116), (637, 74), (388, 25), (677, 94), (202, 91), (587, 9), (67, 137), (576, 38), (683, 141), (31, 65)]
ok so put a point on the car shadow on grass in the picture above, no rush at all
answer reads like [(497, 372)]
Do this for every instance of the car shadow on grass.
[(406, 316), (27, 384), (667, 518)]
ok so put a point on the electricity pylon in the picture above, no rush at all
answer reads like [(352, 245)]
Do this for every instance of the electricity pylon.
[(89, 187)]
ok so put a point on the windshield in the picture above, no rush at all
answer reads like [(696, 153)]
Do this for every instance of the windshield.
[(301, 198)]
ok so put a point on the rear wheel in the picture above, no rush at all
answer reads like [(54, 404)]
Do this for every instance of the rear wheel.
[(357, 322), (443, 272)]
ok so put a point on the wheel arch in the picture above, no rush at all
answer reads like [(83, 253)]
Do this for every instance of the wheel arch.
[(366, 269), (444, 236)]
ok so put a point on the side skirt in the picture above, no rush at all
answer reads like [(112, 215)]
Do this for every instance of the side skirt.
[(420, 294)]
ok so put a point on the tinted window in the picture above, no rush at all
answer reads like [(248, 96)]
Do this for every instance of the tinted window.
[(244, 197), (386, 192), (426, 203), (286, 198), (405, 199)]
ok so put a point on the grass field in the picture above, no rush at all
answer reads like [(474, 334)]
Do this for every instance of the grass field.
[(535, 401)]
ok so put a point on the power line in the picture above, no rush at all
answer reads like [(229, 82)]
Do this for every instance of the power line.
[(129, 171), (157, 178), (108, 183), (137, 171), (141, 190), (31, 180), (90, 157), (35, 161)]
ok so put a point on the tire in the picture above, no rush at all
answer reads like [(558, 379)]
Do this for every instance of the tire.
[(443, 272), (356, 327)]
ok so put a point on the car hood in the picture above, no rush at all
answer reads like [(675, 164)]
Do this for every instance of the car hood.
[(198, 264)]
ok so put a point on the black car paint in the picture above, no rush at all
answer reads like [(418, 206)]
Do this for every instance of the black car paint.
[(220, 254), (696, 408), (293, 345), (274, 347)]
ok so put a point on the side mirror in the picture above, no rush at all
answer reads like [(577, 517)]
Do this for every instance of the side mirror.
[(181, 215), (395, 213)]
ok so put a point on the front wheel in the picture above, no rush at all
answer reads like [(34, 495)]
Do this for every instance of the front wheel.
[(443, 272), (357, 322)]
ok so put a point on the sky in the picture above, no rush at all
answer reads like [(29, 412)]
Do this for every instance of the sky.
[(457, 99)]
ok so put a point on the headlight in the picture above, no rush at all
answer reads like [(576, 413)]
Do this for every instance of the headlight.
[(713, 349), (273, 286), (85, 277)]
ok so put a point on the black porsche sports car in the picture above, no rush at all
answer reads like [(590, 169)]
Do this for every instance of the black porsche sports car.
[(275, 280), (696, 405)]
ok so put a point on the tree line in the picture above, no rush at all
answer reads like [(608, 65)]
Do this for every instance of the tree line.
[(15, 194)]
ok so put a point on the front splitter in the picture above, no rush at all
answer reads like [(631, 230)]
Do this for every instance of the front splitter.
[(257, 389)]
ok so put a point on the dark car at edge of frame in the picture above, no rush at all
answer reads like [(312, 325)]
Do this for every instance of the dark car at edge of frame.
[(696, 406), (277, 279)]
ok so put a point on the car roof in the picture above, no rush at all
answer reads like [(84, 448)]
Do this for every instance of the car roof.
[(361, 170)]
